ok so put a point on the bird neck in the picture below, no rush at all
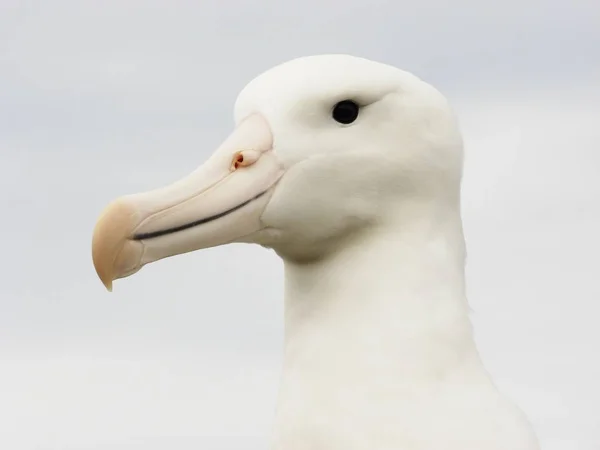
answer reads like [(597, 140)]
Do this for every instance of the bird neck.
[(379, 347), (390, 301)]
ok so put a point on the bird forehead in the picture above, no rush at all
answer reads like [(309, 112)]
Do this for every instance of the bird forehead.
[(301, 84)]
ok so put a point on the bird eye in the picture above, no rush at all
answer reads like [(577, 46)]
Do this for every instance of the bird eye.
[(345, 112)]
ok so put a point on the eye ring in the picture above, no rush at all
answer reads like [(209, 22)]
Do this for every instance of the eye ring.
[(345, 112)]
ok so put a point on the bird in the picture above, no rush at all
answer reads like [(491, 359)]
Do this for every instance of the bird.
[(349, 170)]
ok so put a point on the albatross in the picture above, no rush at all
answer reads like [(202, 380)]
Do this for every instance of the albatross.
[(350, 170)]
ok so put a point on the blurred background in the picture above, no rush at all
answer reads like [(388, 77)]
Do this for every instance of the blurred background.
[(100, 99)]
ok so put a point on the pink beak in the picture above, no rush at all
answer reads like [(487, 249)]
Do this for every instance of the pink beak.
[(220, 202)]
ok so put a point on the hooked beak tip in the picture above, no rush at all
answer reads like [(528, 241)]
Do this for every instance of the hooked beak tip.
[(111, 253), (105, 278)]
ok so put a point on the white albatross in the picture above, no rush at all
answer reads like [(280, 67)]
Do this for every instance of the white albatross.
[(350, 170)]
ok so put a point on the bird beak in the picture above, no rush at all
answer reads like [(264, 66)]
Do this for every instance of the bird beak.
[(220, 202)]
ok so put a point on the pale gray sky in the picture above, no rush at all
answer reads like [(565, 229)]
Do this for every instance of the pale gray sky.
[(99, 99)]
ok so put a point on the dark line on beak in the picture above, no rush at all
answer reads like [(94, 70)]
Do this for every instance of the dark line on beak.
[(155, 234)]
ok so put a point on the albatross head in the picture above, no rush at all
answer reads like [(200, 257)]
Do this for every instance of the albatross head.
[(324, 147)]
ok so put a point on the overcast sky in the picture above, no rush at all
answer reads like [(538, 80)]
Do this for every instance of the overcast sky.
[(100, 99)]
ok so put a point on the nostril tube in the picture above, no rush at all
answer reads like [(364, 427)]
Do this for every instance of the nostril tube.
[(244, 158)]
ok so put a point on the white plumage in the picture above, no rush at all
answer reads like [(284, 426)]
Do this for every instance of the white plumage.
[(379, 352)]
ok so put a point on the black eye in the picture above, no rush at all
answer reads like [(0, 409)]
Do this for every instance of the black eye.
[(345, 112)]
